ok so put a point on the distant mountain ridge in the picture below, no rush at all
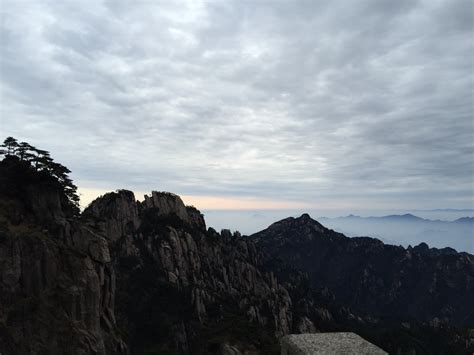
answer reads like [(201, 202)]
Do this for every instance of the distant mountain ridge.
[(450, 210), (408, 229), (464, 220), (369, 276), (404, 217)]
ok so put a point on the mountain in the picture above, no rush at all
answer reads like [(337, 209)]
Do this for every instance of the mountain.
[(387, 293), (464, 220), (468, 210), (390, 281), (126, 276), (408, 229), (402, 217), (148, 277), (181, 286), (57, 281)]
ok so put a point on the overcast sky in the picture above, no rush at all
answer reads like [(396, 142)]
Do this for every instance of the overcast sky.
[(272, 104)]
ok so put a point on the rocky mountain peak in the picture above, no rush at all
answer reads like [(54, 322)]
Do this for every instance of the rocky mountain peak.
[(421, 248), (306, 220), (464, 220), (116, 213), (373, 277), (119, 213), (167, 204), (293, 230), (305, 216), (295, 222)]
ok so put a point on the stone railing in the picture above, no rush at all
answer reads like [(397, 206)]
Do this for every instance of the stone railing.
[(328, 344)]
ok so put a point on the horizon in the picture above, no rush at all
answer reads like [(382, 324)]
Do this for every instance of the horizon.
[(250, 220), (209, 204)]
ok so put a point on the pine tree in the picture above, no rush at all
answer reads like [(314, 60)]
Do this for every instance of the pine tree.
[(23, 150), (41, 161), (11, 145)]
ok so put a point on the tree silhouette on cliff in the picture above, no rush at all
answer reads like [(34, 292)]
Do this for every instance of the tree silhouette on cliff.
[(41, 161)]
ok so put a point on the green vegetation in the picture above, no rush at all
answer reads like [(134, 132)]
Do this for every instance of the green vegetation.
[(29, 161)]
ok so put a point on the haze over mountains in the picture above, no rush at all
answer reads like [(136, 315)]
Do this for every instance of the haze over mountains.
[(398, 229), (409, 229)]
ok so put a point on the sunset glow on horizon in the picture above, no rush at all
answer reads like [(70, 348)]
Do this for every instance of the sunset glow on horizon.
[(207, 202)]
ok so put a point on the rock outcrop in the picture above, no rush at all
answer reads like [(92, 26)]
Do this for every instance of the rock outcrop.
[(166, 203), (127, 276), (364, 285), (119, 214), (57, 283), (216, 276)]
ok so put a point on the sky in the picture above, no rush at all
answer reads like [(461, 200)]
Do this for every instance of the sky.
[(332, 105)]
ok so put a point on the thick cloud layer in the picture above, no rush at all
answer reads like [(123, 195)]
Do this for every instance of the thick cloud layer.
[(341, 102)]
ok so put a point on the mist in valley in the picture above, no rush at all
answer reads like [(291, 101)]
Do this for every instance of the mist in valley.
[(438, 228)]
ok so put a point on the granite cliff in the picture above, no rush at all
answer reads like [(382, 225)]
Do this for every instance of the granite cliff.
[(57, 282), (419, 283), (126, 276), (382, 291), (206, 287)]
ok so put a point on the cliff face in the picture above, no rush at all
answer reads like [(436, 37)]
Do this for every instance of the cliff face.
[(206, 283), (57, 297), (427, 285), (385, 292), (127, 277), (57, 284)]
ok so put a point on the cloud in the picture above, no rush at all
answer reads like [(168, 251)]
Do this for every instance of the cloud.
[(368, 102)]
